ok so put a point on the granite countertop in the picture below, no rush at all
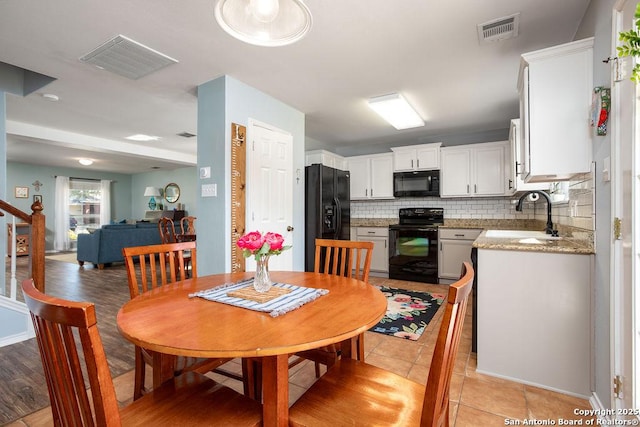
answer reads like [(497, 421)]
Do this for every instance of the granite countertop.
[(568, 245), (573, 241), (373, 222)]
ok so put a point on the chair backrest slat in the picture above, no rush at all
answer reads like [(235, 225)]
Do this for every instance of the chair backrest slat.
[(344, 258), (436, 399), (158, 265), (55, 321)]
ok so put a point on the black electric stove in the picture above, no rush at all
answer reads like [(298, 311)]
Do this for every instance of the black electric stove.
[(413, 245)]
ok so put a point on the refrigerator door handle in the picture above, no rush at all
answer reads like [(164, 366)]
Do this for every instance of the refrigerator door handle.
[(338, 217)]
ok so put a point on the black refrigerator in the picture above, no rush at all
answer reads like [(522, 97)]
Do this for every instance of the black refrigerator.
[(327, 207)]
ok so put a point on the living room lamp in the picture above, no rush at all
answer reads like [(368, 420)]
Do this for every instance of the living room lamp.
[(264, 22), (152, 192)]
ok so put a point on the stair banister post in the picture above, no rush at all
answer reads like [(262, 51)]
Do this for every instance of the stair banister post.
[(37, 245)]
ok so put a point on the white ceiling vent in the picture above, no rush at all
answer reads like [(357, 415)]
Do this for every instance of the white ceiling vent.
[(499, 29), (127, 58)]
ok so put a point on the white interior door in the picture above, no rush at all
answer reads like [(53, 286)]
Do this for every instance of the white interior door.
[(270, 188), (625, 201)]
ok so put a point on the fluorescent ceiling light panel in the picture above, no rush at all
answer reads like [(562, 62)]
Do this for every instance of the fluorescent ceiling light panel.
[(142, 137), (396, 110)]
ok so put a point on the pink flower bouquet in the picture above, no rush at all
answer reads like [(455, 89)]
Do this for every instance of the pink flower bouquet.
[(255, 243)]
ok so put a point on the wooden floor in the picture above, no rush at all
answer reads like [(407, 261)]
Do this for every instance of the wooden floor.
[(22, 384)]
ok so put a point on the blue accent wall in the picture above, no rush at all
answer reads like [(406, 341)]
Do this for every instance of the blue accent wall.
[(3, 178), (186, 179), (23, 175)]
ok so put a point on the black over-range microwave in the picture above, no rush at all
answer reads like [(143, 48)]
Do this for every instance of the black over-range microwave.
[(416, 184)]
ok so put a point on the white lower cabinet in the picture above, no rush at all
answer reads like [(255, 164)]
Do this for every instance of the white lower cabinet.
[(454, 248), (380, 238), (534, 318)]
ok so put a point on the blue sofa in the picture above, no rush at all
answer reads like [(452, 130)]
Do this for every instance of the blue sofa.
[(105, 244)]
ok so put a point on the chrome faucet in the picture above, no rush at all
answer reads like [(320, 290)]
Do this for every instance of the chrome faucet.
[(549, 229)]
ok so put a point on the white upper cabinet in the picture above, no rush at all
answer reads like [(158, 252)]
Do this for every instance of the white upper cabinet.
[(556, 86), (416, 157), (371, 176), (325, 158), (476, 170), (514, 168)]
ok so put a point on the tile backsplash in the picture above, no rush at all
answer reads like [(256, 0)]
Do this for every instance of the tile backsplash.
[(577, 212)]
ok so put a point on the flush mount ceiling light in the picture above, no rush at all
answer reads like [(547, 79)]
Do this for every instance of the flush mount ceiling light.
[(264, 22), (50, 97), (142, 137), (396, 110), (85, 162)]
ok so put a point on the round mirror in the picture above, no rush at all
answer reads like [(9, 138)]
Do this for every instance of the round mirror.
[(172, 192)]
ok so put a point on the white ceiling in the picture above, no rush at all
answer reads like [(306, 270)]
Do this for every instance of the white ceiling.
[(357, 49)]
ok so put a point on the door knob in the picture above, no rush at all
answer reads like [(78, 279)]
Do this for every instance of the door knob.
[(289, 228)]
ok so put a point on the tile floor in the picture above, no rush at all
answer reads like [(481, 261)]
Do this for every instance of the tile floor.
[(476, 399)]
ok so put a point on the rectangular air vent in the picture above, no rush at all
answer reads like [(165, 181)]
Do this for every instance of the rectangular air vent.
[(127, 58), (499, 29)]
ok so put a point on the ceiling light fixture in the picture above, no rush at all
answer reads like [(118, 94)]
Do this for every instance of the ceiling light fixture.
[(264, 22), (396, 110), (50, 97), (85, 162), (142, 137)]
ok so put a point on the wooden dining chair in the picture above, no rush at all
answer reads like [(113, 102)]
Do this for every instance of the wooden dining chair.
[(356, 393), (152, 266), (73, 357), (187, 225), (342, 258), (167, 231)]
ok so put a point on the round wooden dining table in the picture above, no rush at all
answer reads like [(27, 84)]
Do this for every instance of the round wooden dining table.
[(169, 322)]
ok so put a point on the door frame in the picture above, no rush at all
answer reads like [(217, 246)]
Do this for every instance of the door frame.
[(625, 193)]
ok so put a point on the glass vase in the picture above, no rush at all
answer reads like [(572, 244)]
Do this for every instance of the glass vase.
[(262, 282)]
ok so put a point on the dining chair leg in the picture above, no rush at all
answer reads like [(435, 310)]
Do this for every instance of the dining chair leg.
[(139, 374), (360, 347)]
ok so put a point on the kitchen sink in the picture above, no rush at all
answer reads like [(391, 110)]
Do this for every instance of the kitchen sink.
[(527, 236)]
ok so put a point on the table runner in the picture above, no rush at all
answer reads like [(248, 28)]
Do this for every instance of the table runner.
[(298, 296)]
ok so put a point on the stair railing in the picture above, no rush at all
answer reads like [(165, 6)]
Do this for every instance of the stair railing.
[(37, 228)]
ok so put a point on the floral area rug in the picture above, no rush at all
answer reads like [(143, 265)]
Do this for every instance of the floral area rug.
[(408, 312)]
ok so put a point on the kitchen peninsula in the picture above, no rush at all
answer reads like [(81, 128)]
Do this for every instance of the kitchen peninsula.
[(534, 319)]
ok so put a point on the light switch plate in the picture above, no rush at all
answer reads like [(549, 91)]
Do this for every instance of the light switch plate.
[(209, 190), (606, 168), (205, 172)]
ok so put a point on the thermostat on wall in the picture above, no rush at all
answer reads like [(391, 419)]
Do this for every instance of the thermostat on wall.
[(205, 172)]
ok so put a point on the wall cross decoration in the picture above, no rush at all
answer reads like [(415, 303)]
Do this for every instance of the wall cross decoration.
[(37, 184)]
